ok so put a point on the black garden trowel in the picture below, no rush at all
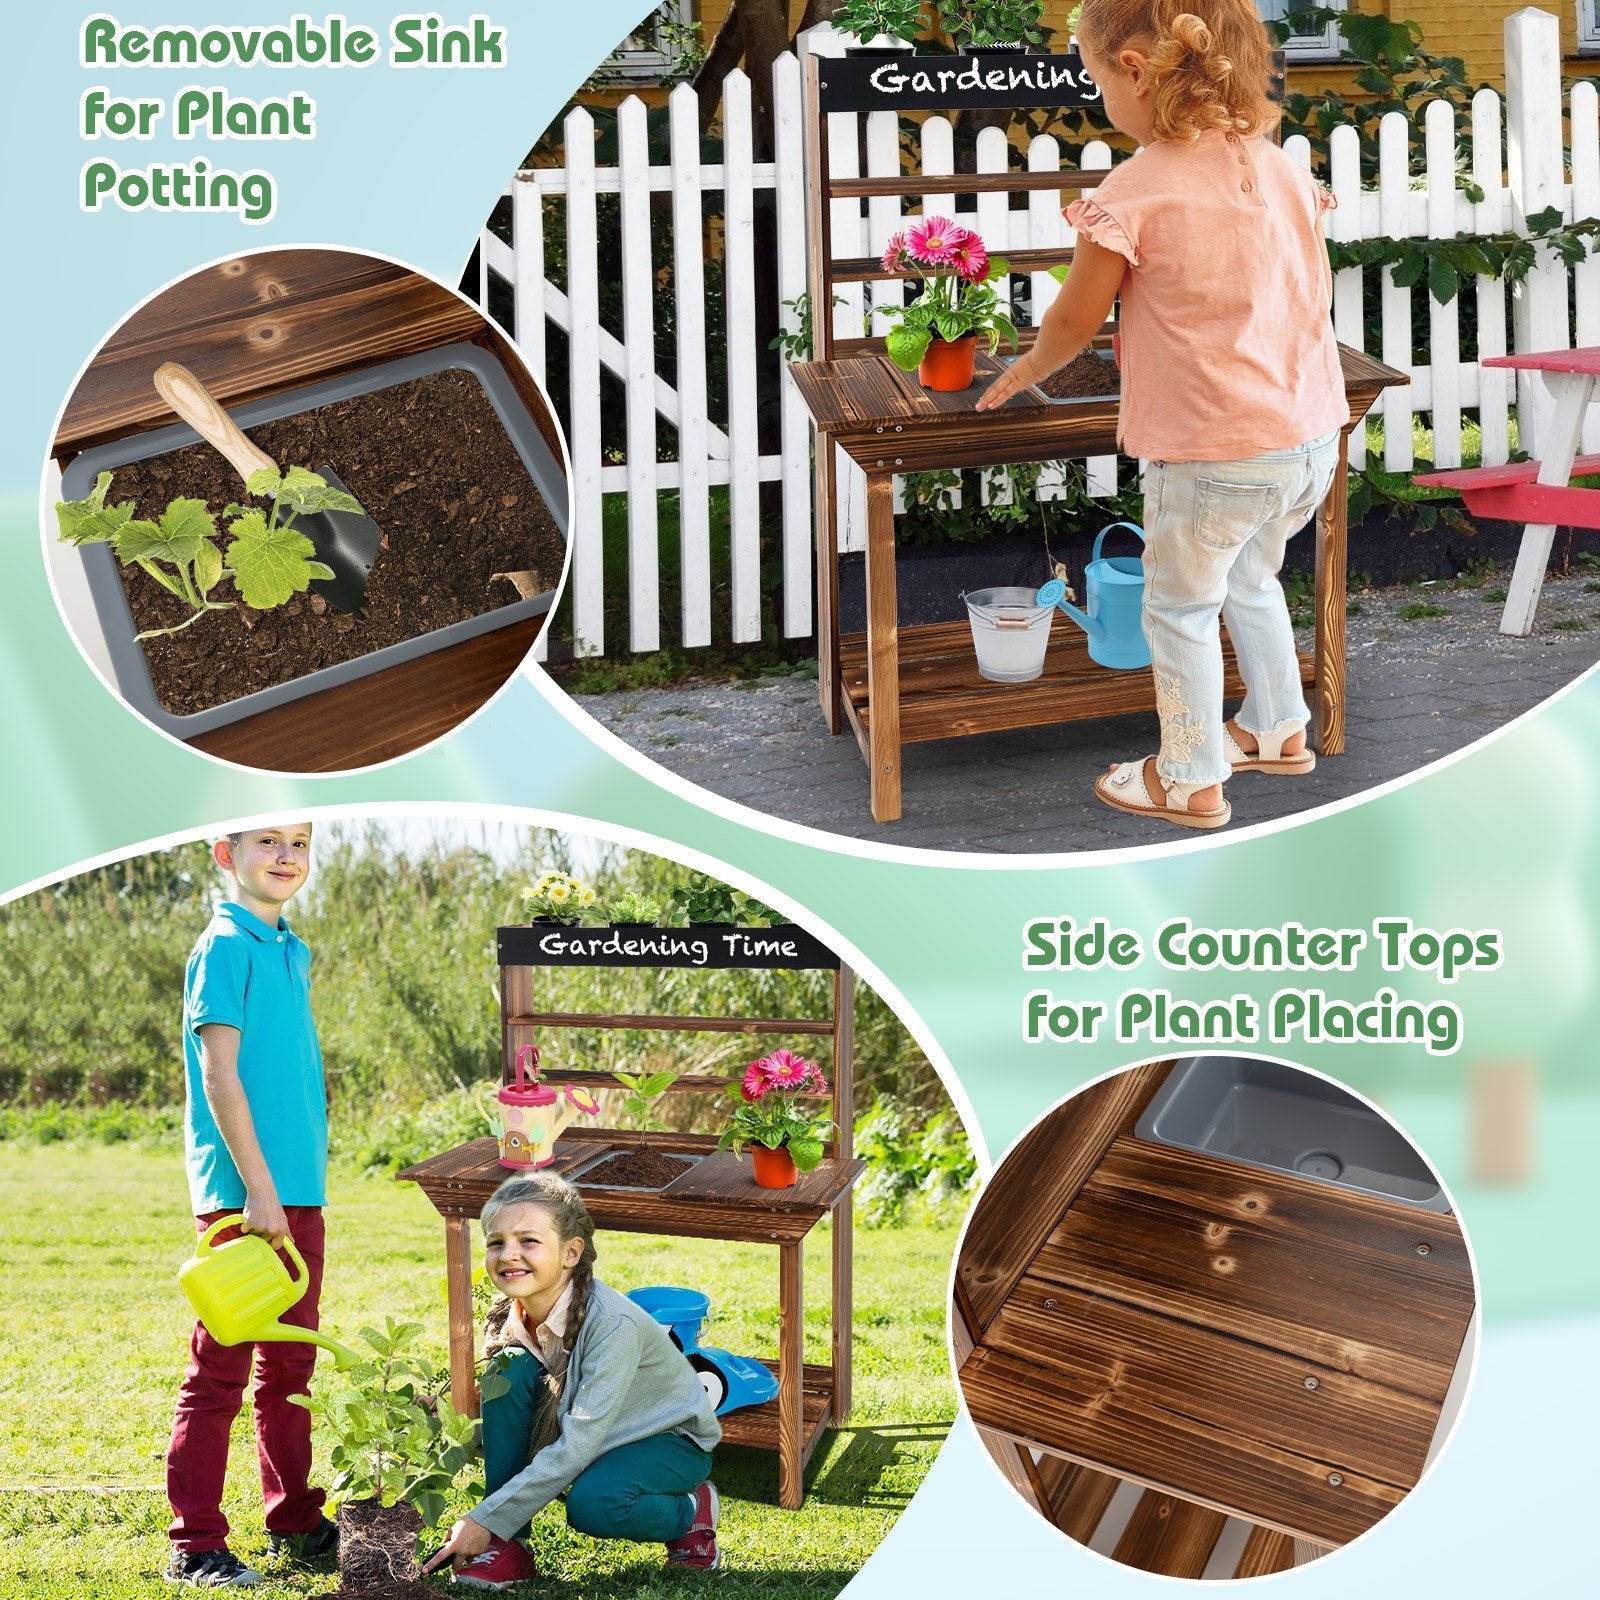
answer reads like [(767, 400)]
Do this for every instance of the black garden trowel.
[(346, 541)]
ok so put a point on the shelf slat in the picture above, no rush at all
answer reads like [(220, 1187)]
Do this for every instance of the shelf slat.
[(597, 1019)]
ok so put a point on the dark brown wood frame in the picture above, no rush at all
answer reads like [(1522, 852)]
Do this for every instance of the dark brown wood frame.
[(726, 1205), (896, 686)]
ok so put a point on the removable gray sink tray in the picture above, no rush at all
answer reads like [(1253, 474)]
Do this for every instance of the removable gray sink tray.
[(111, 602), (1264, 1114)]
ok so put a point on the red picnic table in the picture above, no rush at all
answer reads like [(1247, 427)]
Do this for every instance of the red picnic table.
[(1537, 493)]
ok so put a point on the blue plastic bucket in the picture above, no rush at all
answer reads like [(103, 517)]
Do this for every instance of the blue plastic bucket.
[(680, 1310)]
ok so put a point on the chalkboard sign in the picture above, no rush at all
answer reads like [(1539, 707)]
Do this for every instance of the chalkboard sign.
[(712, 944), (901, 81)]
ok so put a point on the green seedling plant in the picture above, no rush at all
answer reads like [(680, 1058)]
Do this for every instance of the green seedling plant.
[(267, 559), (637, 908), (390, 1435), (987, 23), (704, 899), (644, 1089)]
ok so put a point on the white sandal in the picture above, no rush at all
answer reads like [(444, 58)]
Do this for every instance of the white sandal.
[(1268, 755), (1124, 789)]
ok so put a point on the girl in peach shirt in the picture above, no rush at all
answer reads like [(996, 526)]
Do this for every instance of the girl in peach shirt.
[(1231, 389)]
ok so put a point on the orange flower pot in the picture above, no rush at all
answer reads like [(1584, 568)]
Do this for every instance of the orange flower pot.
[(948, 364), (774, 1169)]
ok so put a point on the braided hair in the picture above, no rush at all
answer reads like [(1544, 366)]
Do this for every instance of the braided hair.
[(1209, 60), (569, 1216)]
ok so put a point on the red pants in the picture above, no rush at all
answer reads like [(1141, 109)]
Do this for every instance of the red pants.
[(209, 1399)]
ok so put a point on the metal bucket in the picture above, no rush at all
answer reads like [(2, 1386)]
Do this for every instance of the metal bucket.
[(1010, 632)]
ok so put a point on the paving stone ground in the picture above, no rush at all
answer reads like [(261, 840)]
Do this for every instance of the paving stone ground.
[(1419, 687)]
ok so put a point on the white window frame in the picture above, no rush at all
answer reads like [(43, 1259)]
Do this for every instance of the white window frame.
[(640, 56), (1588, 12), (1324, 46)]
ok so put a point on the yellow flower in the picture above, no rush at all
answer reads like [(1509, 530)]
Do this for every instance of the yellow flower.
[(586, 897), (558, 892)]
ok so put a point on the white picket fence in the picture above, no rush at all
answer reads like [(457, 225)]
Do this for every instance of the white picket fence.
[(1520, 165)]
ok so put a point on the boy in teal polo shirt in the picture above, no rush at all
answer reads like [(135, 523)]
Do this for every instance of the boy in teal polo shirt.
[(256, 1141)]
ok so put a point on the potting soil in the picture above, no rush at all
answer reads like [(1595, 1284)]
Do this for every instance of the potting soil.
[(432, 465), (640, 1168), (1086, 374)]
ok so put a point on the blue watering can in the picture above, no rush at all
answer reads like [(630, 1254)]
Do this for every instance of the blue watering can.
[(1114, 589)]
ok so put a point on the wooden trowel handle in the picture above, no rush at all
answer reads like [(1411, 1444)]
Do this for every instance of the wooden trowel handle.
[(194, 404)]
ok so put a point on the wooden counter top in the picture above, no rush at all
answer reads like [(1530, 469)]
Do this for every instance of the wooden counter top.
[(1270, 1346)]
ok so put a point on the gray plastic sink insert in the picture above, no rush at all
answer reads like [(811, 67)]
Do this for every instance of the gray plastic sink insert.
[(111, 604), (1265, 1114)]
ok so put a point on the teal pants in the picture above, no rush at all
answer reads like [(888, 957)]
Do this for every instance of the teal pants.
[(637, 1491)]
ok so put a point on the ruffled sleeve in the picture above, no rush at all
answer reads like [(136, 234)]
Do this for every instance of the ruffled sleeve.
[(1094, 222)]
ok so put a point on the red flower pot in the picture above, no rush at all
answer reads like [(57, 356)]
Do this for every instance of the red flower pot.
[(774, 1169), (948, 364)]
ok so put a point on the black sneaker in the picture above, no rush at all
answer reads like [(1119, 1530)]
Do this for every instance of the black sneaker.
[(306, 1549), (210, 1569)]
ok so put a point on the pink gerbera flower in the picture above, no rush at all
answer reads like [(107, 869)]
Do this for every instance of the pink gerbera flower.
[(787, 1070), (891, 251), (969, 257), (757, 1082), (930, 239)]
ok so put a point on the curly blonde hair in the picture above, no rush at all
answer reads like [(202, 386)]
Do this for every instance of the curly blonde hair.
[(1210, 60)]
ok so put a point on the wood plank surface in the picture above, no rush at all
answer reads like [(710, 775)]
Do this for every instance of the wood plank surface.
[(1038, 1180), (942, 695), (1268, 1346), (378, 717), (756, 1427), (256, 325), (1074, 1496), (726, 1179), (1265, 1550), (1170, 1536)]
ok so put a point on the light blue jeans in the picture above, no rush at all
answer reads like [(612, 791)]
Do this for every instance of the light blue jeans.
[(1215, 534)]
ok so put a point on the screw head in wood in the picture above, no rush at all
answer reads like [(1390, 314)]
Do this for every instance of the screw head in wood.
[(1335, 1479), (1312, 1383), (1424, 1249), (1049, 1305)]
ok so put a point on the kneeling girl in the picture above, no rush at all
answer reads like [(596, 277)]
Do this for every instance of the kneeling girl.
[(597, 1401)]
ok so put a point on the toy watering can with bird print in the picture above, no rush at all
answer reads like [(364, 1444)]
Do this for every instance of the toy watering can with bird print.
[(1114, 591), (241, 1288), (533, 1115)]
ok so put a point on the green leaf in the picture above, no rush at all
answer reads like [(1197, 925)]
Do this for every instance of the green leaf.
[(185, 525), (263, 483), (91, 520), (269, 564), (1443, 281), (1408, 272), (304, 491), (807, 1153), (907, 346), (207, 567)]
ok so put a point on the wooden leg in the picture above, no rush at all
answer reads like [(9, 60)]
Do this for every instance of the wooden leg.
[(883, 649), (825, 517), (458, 1297), (843, 1252), (1573, 392), (1008, 1456), (791, 1376), (1328, 649)]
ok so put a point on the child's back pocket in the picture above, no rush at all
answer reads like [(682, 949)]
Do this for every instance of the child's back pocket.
[(1226, 514)]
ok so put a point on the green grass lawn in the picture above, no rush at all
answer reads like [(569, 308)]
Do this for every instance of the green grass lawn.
[(96, 1338)]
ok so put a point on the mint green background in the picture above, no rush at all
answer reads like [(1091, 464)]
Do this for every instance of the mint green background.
[(409, 164)]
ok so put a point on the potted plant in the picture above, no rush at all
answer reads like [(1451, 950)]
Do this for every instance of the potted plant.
[(936, 335), (558, 897), (703, 899), (784, 1139), (630, 910), (396, 1448), (973, 26), (877, 24)]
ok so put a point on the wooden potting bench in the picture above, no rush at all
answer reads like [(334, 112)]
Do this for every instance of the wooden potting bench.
[(273, 320), (1239, 1342), (717, 1198), (896, 686)]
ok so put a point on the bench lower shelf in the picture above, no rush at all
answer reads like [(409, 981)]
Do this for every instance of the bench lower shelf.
[(943, 697), (756, 1427)]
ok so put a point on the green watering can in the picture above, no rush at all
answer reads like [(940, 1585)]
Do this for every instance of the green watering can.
[(241, 1288)]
